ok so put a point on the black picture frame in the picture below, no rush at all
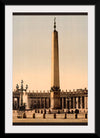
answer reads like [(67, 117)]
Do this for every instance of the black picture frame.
[(3, 3)]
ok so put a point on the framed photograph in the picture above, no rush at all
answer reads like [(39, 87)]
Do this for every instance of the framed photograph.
[(53, 106), (50, 69)]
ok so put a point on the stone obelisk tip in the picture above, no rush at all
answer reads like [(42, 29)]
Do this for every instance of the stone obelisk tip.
[(54, 23)]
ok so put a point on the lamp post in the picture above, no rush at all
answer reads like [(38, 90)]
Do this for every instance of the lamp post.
[(21, 89)]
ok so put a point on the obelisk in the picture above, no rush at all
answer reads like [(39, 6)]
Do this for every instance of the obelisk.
[(55, 85)]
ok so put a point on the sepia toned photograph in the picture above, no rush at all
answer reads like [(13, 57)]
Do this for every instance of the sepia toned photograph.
[(50, 68)]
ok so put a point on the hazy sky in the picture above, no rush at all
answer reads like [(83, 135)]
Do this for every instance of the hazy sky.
[(32, 40)]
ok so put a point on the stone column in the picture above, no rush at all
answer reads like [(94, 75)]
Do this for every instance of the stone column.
[(76, 102), (44, 102), (40, 102), (66, 103), (69, 102), (73, 102), (84, 102), (62, 103), (36, 102), (81, 102)]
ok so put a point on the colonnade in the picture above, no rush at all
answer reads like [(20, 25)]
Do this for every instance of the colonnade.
[(40, 102), (80, 102)]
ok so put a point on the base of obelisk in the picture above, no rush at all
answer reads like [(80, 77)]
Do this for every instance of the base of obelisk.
[(55, 100)]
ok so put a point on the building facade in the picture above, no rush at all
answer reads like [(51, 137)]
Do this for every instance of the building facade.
[(69, 100)]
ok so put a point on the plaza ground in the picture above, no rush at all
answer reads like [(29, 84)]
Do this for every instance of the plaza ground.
[(49, 118)]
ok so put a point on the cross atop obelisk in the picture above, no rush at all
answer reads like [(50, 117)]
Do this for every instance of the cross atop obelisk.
[(54, 23), (55, 85)]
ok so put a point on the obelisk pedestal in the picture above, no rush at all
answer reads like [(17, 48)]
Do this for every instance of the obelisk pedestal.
[(55, 100), (55, 86)]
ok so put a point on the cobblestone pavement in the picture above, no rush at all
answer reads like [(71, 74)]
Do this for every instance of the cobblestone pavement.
[(49, 117)]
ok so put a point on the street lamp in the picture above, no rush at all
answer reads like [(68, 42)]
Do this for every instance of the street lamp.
[(21, 89), (17, 86)]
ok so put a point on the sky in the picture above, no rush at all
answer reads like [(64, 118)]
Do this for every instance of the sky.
[(32, 41)]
